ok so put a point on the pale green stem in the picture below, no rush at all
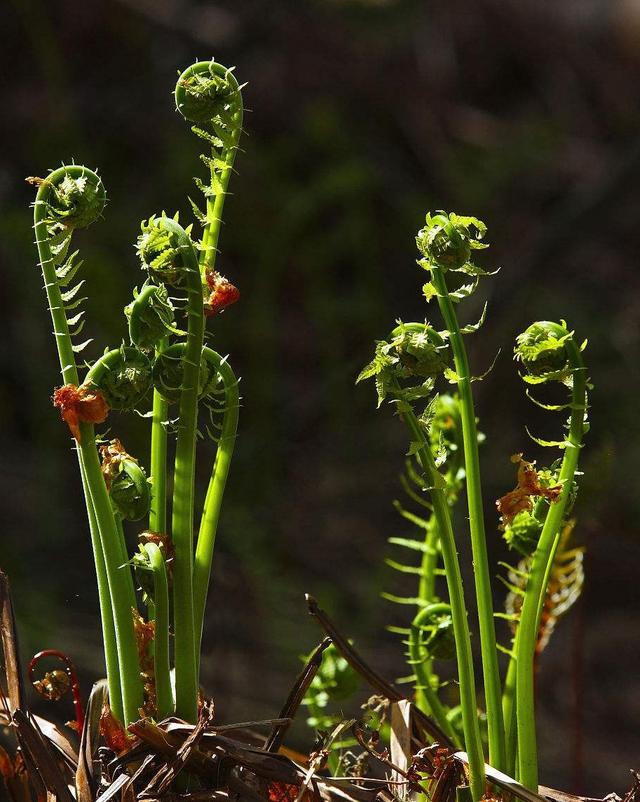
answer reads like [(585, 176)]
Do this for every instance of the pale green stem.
[(215, 491), (509, 713), (536, 583), (124, 562), (158, 511), (161, 668), (128, 684), (183, 486), (106, 613), (470, 723), (215, 203), (491, 672), (118, 576)]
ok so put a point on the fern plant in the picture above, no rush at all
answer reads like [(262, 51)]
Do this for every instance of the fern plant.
[(167, 373), (406, 368)]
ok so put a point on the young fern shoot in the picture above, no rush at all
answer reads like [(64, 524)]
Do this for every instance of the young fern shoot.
[(446, 243), (169, 357), (405, 369), (549, 353)]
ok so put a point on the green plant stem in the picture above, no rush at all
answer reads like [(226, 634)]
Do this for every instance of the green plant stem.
[(215, 491), (160, 414), (426, 593), (161, 668), (509, 713), (491, 672), (470, 724), (427, 584), (128, 684), (536, 587), (106, 613), (426, 697), (118, 576), (186, 679), (215, 203), (124, 563)]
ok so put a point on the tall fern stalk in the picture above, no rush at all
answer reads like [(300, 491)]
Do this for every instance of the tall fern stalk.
[(406, 369), (125, 689), (172, 364), (470, 723), (545, 551), (491, 673)]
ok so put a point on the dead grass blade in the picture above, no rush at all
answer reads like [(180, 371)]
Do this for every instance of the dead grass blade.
[(296, 695), (37, 753), (14, 691), (86, 773), (381, 685)]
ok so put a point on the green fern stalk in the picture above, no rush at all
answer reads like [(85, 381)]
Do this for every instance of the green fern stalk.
[(158, 465), (215, 491), (186, 679), (161, 667), (544, 554), (491, 672), (72, 197), (470, 724)]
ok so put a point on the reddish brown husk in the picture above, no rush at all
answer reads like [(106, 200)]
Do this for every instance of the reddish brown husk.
[(284, 792), (145, 632), (80, 405), (222, 293), (528, 486), (112, 455), (112, 731)]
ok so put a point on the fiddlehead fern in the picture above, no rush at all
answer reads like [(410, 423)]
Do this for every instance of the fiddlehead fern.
[(122, 376), (226, 401), (57, 683), (549, 353), (69, 198), (127, 483), (447, 243), (208, 95), (151, 316), (405, 382), (167, 251), (446, 446), (168, 374), (72, 197)]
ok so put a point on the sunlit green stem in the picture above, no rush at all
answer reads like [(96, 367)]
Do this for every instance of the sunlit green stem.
[(426, 696), (183, 485), (129, 685), (509, 713), (118, 576), (429, 564), (492, 685), (162, 676), (215, 491), (215, 203), (466, 679), (124, 563), (158, 511), (536, 583), (106, 613)]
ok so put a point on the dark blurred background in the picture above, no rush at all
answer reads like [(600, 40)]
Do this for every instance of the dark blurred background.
[(363, 115)]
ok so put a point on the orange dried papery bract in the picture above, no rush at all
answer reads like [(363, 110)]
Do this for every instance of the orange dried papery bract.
[(145, 633), (112, 731), (222, 293), (285, 792), (520, 498), (80, 405)]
